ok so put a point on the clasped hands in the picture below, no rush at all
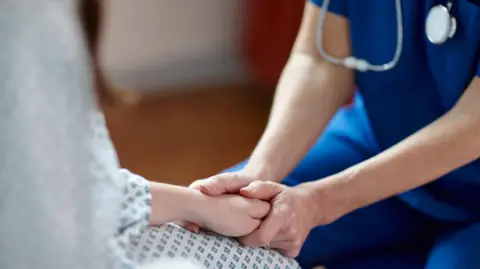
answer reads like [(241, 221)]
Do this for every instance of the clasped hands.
[(259, 213)]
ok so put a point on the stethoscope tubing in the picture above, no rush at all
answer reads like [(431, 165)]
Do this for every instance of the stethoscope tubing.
[(352, 62)]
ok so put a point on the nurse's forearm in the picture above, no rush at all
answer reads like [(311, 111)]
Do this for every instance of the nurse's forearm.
[(309, 93), (448, 143)]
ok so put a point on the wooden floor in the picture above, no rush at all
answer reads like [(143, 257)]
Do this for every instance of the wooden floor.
[(178, 138)]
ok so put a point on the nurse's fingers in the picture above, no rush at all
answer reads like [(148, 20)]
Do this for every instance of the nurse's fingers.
[(222, 184), (263, 190)]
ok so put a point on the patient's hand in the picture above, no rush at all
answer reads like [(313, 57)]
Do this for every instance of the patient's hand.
[(230, 215)]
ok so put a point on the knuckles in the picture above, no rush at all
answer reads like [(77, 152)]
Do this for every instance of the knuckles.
[(292, 216), (292, 232), (216, 179), (256, 183), (280, 210)]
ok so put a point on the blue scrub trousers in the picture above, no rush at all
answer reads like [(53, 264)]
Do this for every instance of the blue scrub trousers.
[(385, 235)]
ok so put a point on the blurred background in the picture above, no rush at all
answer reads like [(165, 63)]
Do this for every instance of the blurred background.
[(196, 80)]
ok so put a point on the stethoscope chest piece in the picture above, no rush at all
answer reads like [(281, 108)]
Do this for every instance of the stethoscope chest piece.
[(440, 24)]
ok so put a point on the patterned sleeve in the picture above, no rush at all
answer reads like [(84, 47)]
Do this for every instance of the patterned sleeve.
[(136, 198), (135, 208)]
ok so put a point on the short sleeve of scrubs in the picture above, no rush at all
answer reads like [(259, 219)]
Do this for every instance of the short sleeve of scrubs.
[(336, 6), (478, 70)]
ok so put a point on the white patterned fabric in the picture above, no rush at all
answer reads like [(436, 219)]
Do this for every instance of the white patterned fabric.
[(208, 250), (64, 201)]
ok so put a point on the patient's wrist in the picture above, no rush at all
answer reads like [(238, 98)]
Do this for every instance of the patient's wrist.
[(193, 210), (174, 203)]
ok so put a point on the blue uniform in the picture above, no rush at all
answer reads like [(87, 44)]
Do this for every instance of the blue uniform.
[(436, 226)]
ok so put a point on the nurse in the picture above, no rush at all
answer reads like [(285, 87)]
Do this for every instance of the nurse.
[(393, 180)]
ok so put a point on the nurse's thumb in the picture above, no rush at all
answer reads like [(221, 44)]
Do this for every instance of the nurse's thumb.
[(223, 183), (261, 190)]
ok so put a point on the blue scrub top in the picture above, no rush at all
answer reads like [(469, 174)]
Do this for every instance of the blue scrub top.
[(426, 83)]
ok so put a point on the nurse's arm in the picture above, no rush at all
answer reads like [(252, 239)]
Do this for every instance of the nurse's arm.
[(309, 92), (446, 144)]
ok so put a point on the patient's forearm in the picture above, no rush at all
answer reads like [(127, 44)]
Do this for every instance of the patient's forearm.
[(173, 203)]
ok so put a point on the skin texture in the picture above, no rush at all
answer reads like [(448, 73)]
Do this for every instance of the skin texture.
[(229, 215), (415, 161), (309, 93), (288, 223)]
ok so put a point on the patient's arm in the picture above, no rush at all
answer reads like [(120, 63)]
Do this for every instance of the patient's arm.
[(166, 245), (229, 215)]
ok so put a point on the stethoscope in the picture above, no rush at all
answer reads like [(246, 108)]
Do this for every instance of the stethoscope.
[(440, 25)]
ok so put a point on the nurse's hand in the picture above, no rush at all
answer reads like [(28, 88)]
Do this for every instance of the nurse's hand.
[(289, 221), (224, 183)]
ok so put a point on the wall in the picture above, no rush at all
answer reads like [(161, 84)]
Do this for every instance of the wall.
[(155, 43)]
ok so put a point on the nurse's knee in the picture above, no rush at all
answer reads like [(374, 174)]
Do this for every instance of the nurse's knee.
[(470, 260), (459, 250), (314, 253)]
